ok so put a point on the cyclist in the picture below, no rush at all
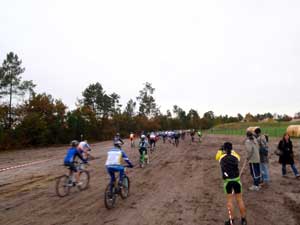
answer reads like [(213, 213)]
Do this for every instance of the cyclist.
[(192, 133), (229, 161), (73, 153), (84, 148), (199, 133), (183, 135), (118, 138), (152, 140), (143, 145), (176, 137), (131, 137), (164, 136), (114, 163)]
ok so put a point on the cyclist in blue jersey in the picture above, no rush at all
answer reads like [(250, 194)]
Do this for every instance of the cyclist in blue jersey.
[(70, 159), (114, 163)]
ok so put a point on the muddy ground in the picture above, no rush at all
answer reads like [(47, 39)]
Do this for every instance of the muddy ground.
[(181, 186)]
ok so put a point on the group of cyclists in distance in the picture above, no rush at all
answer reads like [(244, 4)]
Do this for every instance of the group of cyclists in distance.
[(116, 156)]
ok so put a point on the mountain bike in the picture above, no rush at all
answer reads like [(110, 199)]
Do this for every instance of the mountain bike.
[(65, 182), (110, 195), (152, 146), (132, 144), (144, 158)]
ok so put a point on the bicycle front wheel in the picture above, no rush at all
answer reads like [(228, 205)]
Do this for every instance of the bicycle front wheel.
[(125, 188), (63, 185), (109, 198), (84, 180)]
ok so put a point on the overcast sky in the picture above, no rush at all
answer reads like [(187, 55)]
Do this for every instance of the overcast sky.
[(226, 56)]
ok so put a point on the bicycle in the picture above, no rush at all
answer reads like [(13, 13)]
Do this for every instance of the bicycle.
[(144, 158), (110, 197), (65, 182), (152, 146), (132, 144)]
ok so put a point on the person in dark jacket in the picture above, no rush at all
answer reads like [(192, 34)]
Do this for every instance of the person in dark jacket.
[(286, 155), (263, 154)]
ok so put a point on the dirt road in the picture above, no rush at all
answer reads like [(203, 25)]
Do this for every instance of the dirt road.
[(181, 186)]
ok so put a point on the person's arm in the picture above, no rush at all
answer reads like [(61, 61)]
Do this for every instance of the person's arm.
[(249, 150), (263, 142), (236, 155), (81, 157), (122, 141), (291, 148), (281, 146), (219, 154), (126, 159)]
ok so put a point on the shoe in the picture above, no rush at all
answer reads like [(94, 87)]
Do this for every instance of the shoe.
[(284, 176), (229, 222), (254, 188), (297, 175), (243, 221), (264, 185)]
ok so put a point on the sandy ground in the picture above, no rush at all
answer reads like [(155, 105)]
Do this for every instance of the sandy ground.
[(181, 186)]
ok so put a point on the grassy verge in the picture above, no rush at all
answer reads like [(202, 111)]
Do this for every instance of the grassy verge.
[(273, 129)]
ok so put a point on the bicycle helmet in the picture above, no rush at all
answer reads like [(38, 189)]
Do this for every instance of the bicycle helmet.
[(143, 137), (74, 143), (117, 143)]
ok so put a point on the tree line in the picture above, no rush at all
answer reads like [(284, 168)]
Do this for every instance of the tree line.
[(30, 119)]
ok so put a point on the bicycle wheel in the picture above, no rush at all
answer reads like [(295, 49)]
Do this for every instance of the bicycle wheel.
[(109, 198), (125, 188), (142, 160), (84, 180), (63, 185)]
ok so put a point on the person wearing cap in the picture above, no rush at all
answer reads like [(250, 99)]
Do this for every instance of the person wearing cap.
[(252, 148), (229, 162), (113, 164), (263, 154), (70, 159), (143, 145)]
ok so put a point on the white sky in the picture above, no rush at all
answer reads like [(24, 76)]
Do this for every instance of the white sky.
[(226, 56)]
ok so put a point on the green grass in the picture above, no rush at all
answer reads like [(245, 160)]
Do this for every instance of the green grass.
[(273, 129)]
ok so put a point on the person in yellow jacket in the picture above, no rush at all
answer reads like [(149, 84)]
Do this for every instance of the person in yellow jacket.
[(221, 153), (229, 162)]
